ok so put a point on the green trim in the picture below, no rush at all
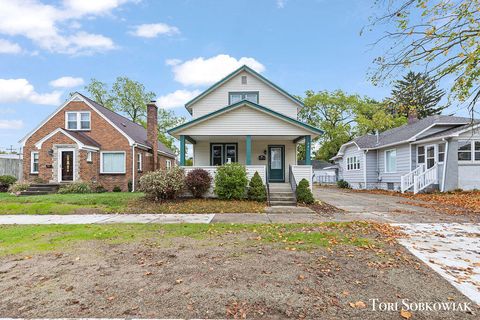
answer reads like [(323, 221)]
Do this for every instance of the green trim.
[(224, 150), (182, 150), (242, 93), (248, 147), (283, 162), (308, 150), (254, 105), (190, 139), (231, 75)]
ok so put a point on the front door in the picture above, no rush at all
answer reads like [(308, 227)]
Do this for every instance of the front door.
[(276, 163), (430, 156), (67, 165)]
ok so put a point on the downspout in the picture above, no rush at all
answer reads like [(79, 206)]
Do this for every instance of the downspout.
[(444, 173), (365, 168), (133, 167)]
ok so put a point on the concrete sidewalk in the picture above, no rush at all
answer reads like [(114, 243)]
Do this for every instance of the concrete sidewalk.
[(106, 218)]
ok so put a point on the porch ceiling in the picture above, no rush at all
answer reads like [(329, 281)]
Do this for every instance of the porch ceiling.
[(234, 138)]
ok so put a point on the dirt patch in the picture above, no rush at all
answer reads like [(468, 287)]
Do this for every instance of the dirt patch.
[(231, 275), (322, 207)]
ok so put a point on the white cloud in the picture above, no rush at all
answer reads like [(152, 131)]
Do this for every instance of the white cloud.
[(177, 98), (66, 82), (281, 3), (201, 71), (11, 124), (16, 90), (47, 25), (154, 29), (9, 47)]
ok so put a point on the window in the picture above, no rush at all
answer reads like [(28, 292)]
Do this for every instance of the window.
[(441, 152), (112, 162), (34, 162), (391, 160), (89, 156), (235, 97), (464, 150), (477, 150), (353, 163), (168, 164), (221, 153), (244, 79), (78, 120), (421, 155), (139, 162)]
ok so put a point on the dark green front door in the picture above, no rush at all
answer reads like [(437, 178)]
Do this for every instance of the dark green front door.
[(276, 163)]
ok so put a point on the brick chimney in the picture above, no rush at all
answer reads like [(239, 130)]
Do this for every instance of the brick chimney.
[(412, 116), (152, 130)]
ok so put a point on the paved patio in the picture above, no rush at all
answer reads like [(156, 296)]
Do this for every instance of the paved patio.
[(451, 249)]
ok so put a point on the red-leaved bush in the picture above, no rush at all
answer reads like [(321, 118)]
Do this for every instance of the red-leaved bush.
[(198, 182)]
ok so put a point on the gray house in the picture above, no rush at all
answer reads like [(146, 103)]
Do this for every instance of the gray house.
[(440, 152)]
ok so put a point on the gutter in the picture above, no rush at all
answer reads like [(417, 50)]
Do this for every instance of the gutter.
[(133, 167), (365, 168)]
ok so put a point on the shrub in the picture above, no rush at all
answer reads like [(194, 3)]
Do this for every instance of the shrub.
[(163, 184), (231, 181), (130, 186), (117, 189), (342, 184), (304, 194), (18, 187), (100, 189), (6, 182), (75, 187), (256, 189), (198, 182)]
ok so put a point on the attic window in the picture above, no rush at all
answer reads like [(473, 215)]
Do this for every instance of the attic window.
[(244, 79), (235, 97)]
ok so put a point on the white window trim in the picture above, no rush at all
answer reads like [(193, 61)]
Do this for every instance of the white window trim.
[(385, 160), (168, 164), (31, 161), (356, 158), (78, 120), (124, 165), (89, 156), (59, 161), (139, 162), (472, 152), (444, 152)]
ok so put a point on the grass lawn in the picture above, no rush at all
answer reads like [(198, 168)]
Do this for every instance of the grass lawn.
[(118, 202), (274, 271)]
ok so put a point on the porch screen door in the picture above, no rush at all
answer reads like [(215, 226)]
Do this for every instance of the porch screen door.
[(430, 156)]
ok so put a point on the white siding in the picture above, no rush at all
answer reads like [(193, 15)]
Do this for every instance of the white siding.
[(303, 172), (403, 163), (201, 151), (268, 97), (372, 168), (244, 121)]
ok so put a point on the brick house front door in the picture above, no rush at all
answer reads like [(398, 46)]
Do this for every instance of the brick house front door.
[(67, 165)]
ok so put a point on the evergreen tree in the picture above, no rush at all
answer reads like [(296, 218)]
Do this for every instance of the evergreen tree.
[(417, 92)]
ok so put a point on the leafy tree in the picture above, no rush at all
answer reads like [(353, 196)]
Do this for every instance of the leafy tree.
[(130, 98), (371, 116), (100, 93), (443, 37), (419, 92)]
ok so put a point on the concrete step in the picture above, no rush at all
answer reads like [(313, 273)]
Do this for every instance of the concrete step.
[(43, 188), (290, 197), (282, 203), (34, 193), (56, 185)]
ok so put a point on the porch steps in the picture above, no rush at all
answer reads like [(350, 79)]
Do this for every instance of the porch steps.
[(281, 194), (37, 189)]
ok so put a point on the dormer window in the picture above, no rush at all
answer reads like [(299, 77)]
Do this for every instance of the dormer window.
[(235, 97), (78, 120)]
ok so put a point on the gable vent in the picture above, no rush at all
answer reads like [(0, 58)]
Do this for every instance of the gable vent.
[(244, 79)]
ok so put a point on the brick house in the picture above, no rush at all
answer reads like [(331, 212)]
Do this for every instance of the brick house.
[(84, 141)]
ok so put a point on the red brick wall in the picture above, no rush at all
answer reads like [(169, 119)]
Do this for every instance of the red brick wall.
[(101, 131)]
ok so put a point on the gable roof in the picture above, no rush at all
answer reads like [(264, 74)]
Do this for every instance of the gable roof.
[(83, 140), (233, 74), (318, 164), (134, 132), (250, 104), (405, 133)]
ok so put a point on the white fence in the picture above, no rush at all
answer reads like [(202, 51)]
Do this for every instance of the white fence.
[(11, 167)]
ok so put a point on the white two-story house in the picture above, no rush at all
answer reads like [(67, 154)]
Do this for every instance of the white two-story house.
[(245, 118)]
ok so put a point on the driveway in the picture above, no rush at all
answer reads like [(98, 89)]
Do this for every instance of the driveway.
[(382, 208)]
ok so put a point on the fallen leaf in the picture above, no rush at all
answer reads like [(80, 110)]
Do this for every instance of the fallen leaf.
[(405, 314), (358, 305)]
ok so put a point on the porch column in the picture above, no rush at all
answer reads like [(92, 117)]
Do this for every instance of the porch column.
[(248, 148), (308, 150), (182, 150)]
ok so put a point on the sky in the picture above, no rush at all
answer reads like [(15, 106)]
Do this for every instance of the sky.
[(176, 49)]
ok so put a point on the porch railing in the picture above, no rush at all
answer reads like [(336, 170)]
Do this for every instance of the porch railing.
[(407, 181), (423, 180), (291, 178), (300, 172)]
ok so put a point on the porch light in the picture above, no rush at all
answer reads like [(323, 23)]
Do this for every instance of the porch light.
[(50, 152)]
